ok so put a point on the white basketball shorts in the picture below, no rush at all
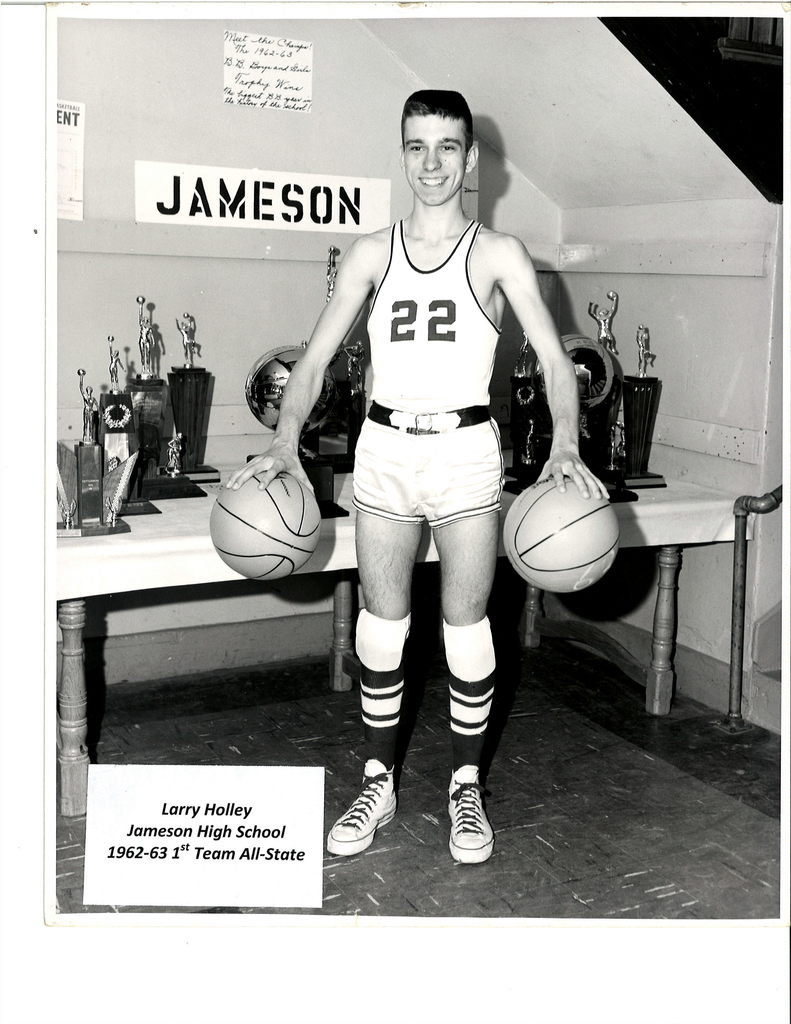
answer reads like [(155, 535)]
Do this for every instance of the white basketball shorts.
[(441, 477)]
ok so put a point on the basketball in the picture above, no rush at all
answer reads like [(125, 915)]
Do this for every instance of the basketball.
[(560, 542), (266, 535)]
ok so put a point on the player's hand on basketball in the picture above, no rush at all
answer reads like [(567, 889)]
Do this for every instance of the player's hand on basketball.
[(280, 458), (565, 463)]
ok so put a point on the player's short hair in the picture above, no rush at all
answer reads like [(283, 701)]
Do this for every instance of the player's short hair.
[(443, 103)]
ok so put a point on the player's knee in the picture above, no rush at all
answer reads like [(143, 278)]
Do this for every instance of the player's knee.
[(469, 650), (380, 642)]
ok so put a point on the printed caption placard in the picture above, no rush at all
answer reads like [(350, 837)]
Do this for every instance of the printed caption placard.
[(204, 836)]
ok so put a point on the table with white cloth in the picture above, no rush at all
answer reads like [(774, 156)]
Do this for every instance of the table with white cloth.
[(174, 549)]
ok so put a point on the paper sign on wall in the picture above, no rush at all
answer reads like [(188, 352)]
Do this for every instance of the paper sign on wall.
[(204, 836), (237, 198), (268, 71), (71, 148)]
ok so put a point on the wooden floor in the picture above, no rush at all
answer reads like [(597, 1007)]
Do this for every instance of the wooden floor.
[(599, 811)]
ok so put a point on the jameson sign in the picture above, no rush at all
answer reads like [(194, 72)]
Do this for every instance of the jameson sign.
[(284, 200)]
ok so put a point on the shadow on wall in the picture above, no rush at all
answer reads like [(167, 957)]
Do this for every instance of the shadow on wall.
[(492, 172)]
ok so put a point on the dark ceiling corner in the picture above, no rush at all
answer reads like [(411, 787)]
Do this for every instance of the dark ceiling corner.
[(727, 74)]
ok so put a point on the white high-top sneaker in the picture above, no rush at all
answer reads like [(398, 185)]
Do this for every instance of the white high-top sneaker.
[(374, 807), (471, 836)]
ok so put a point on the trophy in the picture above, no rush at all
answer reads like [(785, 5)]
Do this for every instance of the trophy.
[(604, 318), (349, 411), (82, 484), (175, 448), (640, 404), (89, 461), (529, 418), (117, 431), (148, 394), (338, 399), (145, 342), (598, 378), (189, 388)]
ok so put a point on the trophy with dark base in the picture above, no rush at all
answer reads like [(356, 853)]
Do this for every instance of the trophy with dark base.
[(531, 421), (148, 394), (189, 389), (348, 413), (346, 416), (187, 399), (117, 431), (604, 318), (640, 404), (599, 385)]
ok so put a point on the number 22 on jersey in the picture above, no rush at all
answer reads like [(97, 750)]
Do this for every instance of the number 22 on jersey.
[(440, 324)]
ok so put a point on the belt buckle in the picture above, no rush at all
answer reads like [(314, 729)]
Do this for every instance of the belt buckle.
[(427, 419)]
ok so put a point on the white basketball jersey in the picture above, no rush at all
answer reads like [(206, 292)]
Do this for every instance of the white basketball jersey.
[(432, 344)]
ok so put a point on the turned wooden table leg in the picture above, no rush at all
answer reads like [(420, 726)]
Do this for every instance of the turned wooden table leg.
[(72, 711), (342, 649), (531, 636), (660, 674)]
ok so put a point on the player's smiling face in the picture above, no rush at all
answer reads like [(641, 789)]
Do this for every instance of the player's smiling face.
[(435, 158)]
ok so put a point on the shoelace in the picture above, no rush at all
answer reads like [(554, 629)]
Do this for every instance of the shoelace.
[(469, 811), (362, 808)]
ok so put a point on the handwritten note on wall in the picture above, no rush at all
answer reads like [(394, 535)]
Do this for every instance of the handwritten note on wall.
[(275, 72)]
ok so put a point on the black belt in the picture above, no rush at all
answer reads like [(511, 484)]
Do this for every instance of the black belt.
[(428, 422)]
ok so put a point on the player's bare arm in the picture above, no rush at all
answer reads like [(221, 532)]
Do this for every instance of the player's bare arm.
[(354, 281), (514, 273)]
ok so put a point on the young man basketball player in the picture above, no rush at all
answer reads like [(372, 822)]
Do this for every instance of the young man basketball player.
[(428, 449)]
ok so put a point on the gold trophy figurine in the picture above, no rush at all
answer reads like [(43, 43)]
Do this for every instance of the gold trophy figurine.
[(115, 364), (644, 357), (604, 318), (88, 412), (520, 367), (186, 328), (354, 370), (145, 341), (174, 455)]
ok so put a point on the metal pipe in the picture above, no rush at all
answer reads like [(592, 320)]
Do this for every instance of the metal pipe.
[(742, 507)]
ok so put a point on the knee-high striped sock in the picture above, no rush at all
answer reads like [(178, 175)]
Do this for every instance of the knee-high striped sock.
[(380, 700), (470, 654), (469, 716), (380, 648)]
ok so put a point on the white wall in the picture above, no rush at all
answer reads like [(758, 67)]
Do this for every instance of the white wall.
[(705, 277)]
